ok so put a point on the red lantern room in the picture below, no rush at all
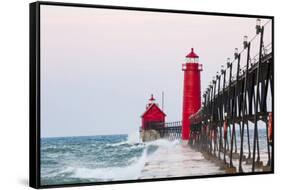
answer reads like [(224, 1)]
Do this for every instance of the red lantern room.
[(153, 116), (191, 91)]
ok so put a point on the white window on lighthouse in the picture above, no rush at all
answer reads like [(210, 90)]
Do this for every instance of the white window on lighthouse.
[(192, 60)]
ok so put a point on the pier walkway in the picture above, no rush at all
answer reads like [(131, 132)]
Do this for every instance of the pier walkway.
[(177, 160)]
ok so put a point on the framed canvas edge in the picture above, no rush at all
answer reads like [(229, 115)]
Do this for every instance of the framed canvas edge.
[(34, 92), (34, 95)]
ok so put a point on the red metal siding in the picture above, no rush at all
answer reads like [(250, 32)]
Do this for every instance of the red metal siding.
[(154, 114), (191, 95)]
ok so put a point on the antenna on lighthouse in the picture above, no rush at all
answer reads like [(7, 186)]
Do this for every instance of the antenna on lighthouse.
[(162, 100)]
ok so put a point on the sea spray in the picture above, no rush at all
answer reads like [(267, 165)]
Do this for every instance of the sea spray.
[(96, 158), (134, 138), (132, 171)]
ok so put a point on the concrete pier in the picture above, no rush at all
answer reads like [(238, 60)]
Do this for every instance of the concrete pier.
[(177, 160)]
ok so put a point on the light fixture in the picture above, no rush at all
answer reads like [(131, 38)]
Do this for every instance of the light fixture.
[(222, 69), (228, 62), (236, 53), (245, 42), (258, 26), (214, 79)]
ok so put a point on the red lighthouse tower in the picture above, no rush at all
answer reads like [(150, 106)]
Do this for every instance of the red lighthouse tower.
[(191, 91)]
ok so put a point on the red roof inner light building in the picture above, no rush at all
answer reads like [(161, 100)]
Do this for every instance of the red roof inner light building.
[(153, 116)]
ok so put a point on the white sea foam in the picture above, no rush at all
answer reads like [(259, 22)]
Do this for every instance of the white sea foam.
[(132, 171), (117, 144), (134, 138), (163, 143)]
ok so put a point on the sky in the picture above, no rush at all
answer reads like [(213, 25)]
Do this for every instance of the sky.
[(100, 66)]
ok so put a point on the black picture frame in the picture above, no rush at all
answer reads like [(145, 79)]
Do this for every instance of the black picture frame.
[(34, 91)]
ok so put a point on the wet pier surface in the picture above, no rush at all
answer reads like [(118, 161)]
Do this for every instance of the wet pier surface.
[(180, 160), (177, 161)]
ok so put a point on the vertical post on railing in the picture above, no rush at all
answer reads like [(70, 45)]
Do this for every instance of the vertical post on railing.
[(210, 120), (256, 102), (220, 117), (229, 65), (203, 122), (206, 142), (248, 46), (212, 117), (264, 109), (248, 138), (223, 72), (234, 107)]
